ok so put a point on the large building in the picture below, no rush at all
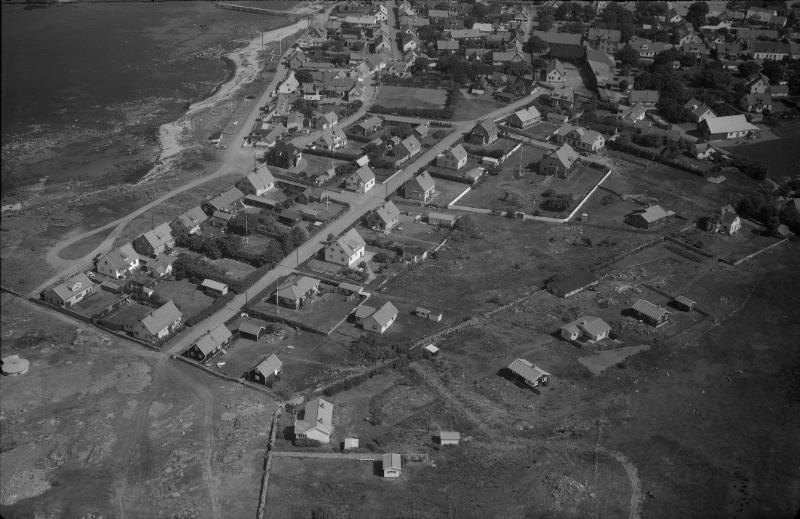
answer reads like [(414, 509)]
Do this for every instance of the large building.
[(728, 127)]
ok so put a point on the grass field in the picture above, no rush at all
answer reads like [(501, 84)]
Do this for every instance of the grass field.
[(410, 97), (781, 156), (322, 313), (95, 303), (233, 268), (187, 297), (469, 106)]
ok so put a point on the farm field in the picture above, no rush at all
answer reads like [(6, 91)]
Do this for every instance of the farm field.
[(411, 97)]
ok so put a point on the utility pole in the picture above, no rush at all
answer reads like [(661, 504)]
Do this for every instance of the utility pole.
[(277, 307)]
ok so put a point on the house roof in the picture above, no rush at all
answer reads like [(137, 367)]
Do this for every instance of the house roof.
[(411, 145), (227, 198), (565, 155), (612, 35), (458, 34), (371, 122), (449, 435), (649, 309), (558, 38), (489, 127), (391, 461), (527, 370), (730, 123), (442, 216), (447, 44), (431, 348), (121, 259), (633, 112), (261, 179), (424, 179), (557, 66), (331, 117), (503, 57), (684, 300), (193, 217), (298, 288), (388, 212), (364, 174), (457, 152), (384, 315), (593, 326), (268, 366), (528, 114), (70, 286), (250, 327), (161, 318), (643, 96), (212, 339), (214, 285), (159, 236), (363, 311), (653, 213), (318, 415), (350, 242)]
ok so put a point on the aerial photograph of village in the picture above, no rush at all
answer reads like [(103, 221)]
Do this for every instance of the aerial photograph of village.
[(400, 259)]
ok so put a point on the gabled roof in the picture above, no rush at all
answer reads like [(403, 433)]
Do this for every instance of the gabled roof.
[(159, 236), (649, 309), (384, 315), (364, 174), (730, 123), (70, 286), (558, 38), (298, 288), (261, 179), (527, 370), (565, 155), (121, 258), (489, 127), (391, 461), (411, 144), (459, 34), (457, 152), (161, 318), (557, 66), (193, 217), (268, 366), (593, 326), (653, 213), (371, 122), (350, 242), (388, 212), (227, 198), (318, 415), (424, 179), (644, 96), (528, 114), (212, 339), (612, 35), (447, 45)]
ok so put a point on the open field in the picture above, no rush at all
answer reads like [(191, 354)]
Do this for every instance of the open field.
[(781, 156), (470, 106), (102, 427), (188, 297), (411, 97), (233, 268)]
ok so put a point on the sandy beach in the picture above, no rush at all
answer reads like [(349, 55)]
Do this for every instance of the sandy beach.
[(248, 66)]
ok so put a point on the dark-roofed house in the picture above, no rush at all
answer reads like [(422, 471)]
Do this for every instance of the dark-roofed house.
[(155, 241), (756, 103), (381, 319), (573, 284), (266, 369), (257, 183), (209, 344), (585, 140), (529, 373), (650, 313), (250, 329), (157, 324), (119, 262), (361, 180), (70, 292), (484, 133), (385, 217), (317, 422), (559, 162), (421, 188), (295, 293), (647, 218), (454, 158), (346, 250), (227, 202), (190, 221), (586, 329), (648, 98)]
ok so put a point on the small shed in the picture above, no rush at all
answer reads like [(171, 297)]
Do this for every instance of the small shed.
[(449, 437), (430, 315), (392, 465), (650, 313), (266, 369), (684, 303), (250, 330), (430, 351), (214, 288), (350, 443)]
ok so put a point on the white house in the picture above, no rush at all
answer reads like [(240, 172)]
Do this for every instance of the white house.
[(347, 250), (454, 158), (587, 328), (317, 422), (119, 262), (157, 324), (392, 465), (529, 373), (379, 320), (361, 180)]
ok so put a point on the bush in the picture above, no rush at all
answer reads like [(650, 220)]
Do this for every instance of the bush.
[(305, 442)]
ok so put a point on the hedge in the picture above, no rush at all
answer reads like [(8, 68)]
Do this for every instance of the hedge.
[(431, 113)]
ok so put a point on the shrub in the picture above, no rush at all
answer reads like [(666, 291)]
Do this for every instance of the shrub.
[(305, 442)]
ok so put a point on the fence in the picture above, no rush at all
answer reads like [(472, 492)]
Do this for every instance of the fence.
[(228, 378), (756, 253), (262, 500), (619, 257)]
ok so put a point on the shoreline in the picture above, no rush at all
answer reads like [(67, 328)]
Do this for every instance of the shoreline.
[(246, 64)]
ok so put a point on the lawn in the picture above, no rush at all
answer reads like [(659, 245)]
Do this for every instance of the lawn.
[(233, 268), (95, 303), (447, 191), (411, 97), (470, 106), (323, 312), (781, 156), (187, 297)]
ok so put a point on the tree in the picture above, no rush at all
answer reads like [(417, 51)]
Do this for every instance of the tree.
[(244, 223), (697, 13), (627, 55), (536, 44), (298, 235), (546, 22), (774, 70), (748, 67), (273, 252)]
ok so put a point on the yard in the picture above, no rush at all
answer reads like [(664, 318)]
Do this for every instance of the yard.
[(470, 106), (541, 130), (410, 97), (507, 192), (447, 191), (95, 303), (323, 312), (189, 298), (233, 268)]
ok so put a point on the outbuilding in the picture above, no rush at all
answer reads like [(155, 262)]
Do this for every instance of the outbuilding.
[(266, 369), (392, 465), (573, 284), (529, 373), (214, 288), (449, 437), (684, 303), (650, 313)]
